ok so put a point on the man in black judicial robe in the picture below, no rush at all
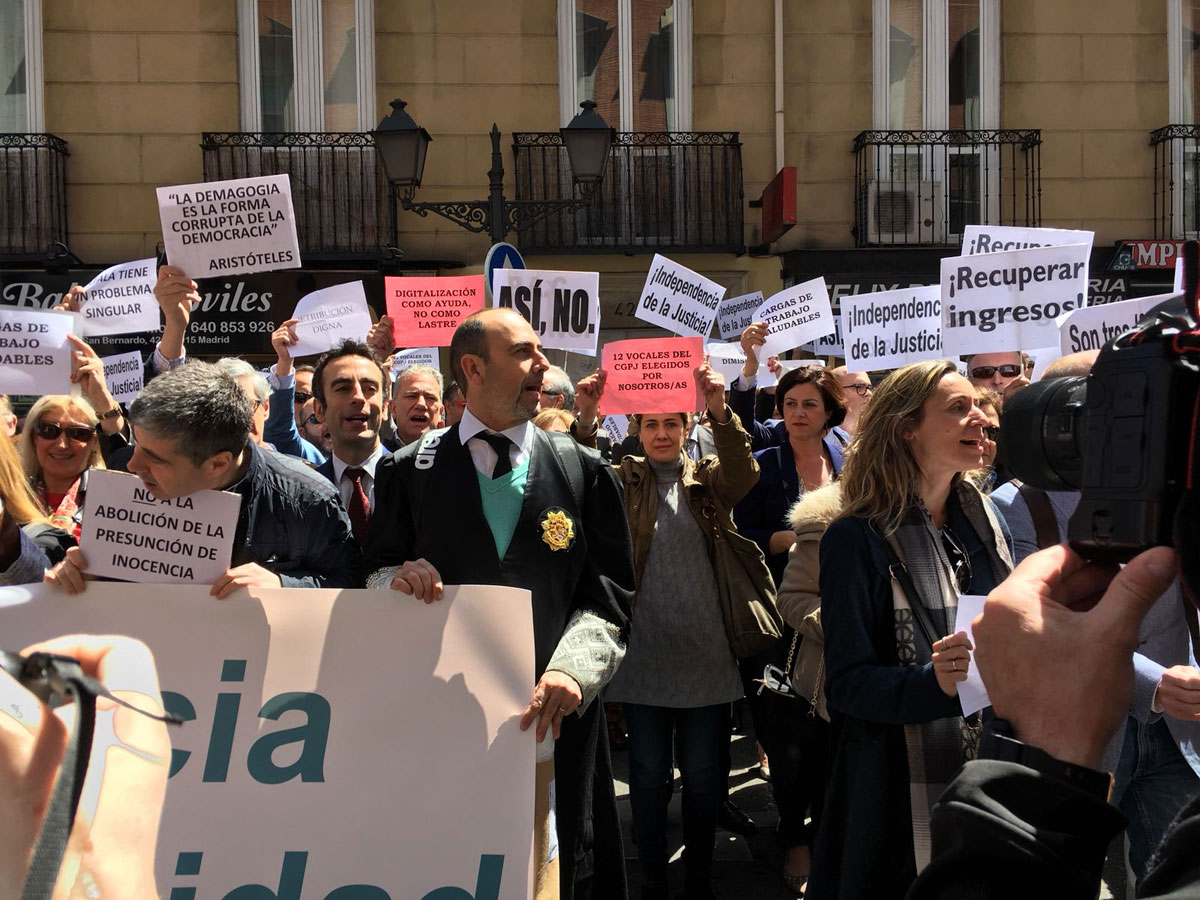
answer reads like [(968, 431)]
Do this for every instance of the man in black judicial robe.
[(430, 528)]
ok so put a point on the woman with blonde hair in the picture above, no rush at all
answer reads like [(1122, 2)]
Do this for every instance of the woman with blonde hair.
[(28, 544), (913, 534), (59, 444)]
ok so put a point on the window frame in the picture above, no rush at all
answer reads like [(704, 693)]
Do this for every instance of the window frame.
[(35, 72), (307, 65), (568, 101)]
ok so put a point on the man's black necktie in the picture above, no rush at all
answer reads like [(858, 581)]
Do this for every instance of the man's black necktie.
[(502, 444)]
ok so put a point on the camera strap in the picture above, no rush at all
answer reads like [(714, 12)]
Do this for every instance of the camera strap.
[(56, 681)]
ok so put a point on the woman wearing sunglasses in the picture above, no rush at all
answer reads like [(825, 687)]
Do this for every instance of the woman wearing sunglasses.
[(28, 543), (913, 534), (58, 445)]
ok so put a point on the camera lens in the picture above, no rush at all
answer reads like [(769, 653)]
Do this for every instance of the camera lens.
[(1040, 434)]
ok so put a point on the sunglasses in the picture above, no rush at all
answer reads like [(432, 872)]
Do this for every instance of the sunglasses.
[(1009, 371), (861, 389), (991, 432), (301, 397), (50, 431)]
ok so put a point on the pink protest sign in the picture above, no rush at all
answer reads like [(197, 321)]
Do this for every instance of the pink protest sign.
[(427, 310), (649, 375)]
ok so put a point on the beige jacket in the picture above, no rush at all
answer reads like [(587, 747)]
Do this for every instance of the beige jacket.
[(799, 595)]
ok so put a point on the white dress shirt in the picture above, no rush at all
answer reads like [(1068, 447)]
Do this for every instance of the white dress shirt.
[(345, 486), (481, 451)]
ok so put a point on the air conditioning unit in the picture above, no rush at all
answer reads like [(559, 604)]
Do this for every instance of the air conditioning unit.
[(899, 212)]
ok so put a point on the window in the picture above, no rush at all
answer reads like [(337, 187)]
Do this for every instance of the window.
[(632, 57), (307, 65), (21, 108)]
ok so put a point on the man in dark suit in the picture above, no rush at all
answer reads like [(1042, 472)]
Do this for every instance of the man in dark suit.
[(349, 394), (494, 500)]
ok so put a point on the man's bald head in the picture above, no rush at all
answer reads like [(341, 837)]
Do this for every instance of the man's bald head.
[(471, 338), (1072, 364)]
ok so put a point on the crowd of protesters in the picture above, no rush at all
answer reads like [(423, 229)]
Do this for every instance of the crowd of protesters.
[(875, 506)]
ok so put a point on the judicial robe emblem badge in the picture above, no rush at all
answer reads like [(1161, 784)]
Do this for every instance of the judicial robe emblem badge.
[(558, 531)]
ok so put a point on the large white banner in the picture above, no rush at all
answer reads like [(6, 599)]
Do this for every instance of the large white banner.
[(994, 302), (889, 329), (332, 738), (562, 307)]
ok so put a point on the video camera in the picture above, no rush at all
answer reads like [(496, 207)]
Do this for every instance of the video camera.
[(1125, 436)]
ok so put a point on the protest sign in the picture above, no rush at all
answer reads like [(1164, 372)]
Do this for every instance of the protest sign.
[(124, 374), (1041, 361), (997, 238), (230, 227), (300, 708), (120, 300), (795, 315), (129, 534), (425, 356), (832, 344), (678, 299), (727, 359), (736, 314), (35, 356), (426, 310), (562, 307), (1092, 327), (892, 328), (972, 694), (330, 316), (652, 375), (616, 427), (1009, 301)]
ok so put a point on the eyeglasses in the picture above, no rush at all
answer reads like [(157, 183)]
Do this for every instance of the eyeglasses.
[(1008, 371), (50, 431), (861, 389), (551, 393), (314, 419), (301, 397), (991, 432), (960, 561)]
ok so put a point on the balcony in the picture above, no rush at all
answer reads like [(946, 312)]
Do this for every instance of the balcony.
[(662, 191), (921, 188), (344, 207), (1176, 181), (33, 195)]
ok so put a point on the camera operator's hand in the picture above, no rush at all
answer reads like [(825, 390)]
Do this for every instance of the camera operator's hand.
[(1057, 663), (113, 855), (1179, 693)]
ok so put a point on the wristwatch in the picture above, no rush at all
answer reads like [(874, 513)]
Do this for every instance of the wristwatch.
[(997, 742), (111, 414)]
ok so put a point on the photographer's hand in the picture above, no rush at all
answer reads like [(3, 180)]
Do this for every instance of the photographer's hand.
[(1059, 665)]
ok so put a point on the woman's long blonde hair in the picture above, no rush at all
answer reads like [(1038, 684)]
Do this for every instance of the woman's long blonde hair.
[(56, 403), (881, 475), (20, 501)]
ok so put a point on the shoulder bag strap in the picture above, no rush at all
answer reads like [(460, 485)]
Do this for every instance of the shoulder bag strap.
[(1045, 525), (899, 573)]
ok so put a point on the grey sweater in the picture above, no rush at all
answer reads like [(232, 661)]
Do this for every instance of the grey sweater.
[(678, 655)]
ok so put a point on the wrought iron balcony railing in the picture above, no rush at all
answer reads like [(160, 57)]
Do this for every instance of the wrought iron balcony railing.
[(33, 195), (677, 191), (921, 188), (1176, 181), (343, 203)]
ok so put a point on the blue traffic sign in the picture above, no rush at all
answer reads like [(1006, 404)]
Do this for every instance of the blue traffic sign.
[(502, 256)]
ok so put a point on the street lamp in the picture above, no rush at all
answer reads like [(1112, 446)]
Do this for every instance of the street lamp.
[(402, 145)]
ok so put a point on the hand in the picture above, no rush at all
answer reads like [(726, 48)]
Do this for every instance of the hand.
[(177, 296), (88, 372), (116, 849), (781, 541), (1061, 675), (712, 386), (951, 661), (70, 300), (281, 338), (1012, 387), (247, 576), (556, 696), (1179, 693), (418, 578), (774, 366), (587, 397), (382, 337), (753, 337), (71, 573)]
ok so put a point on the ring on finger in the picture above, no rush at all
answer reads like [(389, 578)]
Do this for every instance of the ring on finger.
[(954, 665)]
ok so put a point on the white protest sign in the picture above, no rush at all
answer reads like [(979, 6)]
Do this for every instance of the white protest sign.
[(997, 238), (972, 694), (425, 356), (35, 356), (230, 227), (130, 535), (124, 374), (1092, 327), (330, 316), (562, 307), (678, 299), (795, 315), (1042, 358), (1178, 283), (300, 708), (120, 300), (736, 314), (616, 427), (890, 329), (995, 302), (727, 359), (832, 344)]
